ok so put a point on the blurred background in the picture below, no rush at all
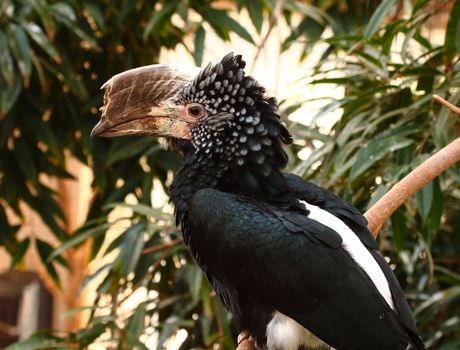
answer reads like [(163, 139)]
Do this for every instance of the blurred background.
[(89, 254)]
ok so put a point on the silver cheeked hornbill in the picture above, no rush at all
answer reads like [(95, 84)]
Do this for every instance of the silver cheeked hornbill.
[(293, 262)]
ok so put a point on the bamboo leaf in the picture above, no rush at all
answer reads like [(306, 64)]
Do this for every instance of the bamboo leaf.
[(256, 13), (135, 147), (425, 200), (96, 14), (136, 323), (6, 61), (166, 11), (66, 15), (452, 38), (26, 161), (437, 206), (35, 342), (377, 18), (142, 209), (375, 151), (220, 20), (44, 251), (37, 35), (200, 35), (79, 238), (8, 96), (131, 249), (20, 47), (20, 251)]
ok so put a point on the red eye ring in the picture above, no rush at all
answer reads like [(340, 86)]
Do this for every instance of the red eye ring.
[(195, 110)]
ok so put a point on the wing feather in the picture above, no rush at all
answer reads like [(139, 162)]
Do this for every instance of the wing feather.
[(248, 244)]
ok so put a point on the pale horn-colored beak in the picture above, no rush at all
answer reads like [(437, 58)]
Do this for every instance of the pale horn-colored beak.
[(140, 102)]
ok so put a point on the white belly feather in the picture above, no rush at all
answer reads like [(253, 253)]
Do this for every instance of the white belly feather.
[(283, 333)]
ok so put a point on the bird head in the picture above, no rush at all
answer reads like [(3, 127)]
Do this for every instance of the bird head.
[(218, 110)]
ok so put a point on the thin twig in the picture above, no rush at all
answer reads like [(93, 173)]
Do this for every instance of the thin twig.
[(447, 104), (162, 246), (400, 192)]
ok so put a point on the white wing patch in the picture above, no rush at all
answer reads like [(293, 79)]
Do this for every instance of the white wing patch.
[(354, 247), (283, 333)]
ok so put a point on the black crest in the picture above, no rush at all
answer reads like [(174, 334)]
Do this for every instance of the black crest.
[(224, 87)]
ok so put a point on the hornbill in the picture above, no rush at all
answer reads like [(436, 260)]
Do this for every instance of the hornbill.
[(294, 263)]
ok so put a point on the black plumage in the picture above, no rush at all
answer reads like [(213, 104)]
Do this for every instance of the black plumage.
[(250, 232)]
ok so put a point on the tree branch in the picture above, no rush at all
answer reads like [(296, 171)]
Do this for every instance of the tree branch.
[(414, 181), (399, 193)]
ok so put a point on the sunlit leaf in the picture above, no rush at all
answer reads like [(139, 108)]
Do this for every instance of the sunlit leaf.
[(35, 342), (376, 150), (79, 238), (136, 323), (37, 35)]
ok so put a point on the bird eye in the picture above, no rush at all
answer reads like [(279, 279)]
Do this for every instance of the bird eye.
[(195, 110)]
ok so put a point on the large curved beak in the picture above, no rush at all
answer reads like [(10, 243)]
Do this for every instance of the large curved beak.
[(140, 102)]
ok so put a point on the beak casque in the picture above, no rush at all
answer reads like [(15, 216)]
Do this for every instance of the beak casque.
[(139, 102)]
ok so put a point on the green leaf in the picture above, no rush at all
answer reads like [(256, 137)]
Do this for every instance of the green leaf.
[(196, 280), (44, 251), (21, 48), (377, 18), (37, 35), (65, 14), (135, 147), (96, 14), (136, 323), (220, 20), (398, 227), (35, 342), (452, 38), (425, 200), (437, 206), (375, 151), (8, 96), (91, 332), (131, 249), (26, 161), (79, 238), (256, 13), (199, 45), (89, 278), (43, 10), (77, 310), (6, 61), (20, 251), (166, 11), (439, 298), (142, 209)]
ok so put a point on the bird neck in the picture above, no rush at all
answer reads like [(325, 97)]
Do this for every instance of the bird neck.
[(204, 170)]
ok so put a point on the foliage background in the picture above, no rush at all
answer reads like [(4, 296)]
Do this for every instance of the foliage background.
[(54, 56)]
